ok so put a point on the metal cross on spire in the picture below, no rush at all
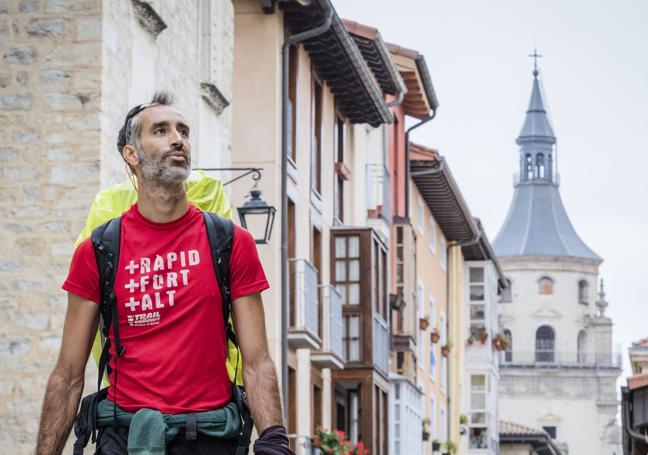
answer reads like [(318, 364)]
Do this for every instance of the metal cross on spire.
[(535, 56)]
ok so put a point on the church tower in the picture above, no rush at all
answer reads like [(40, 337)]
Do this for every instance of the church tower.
[(560, 372)]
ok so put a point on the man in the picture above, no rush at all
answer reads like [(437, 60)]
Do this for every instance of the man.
[(168, 304)]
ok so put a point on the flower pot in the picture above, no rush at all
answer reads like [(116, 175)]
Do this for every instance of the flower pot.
[(497, 344), (445, 351), (436, 446), (434, 337), (426, 435), (424, 323)]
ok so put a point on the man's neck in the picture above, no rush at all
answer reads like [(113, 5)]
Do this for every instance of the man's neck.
[(162, 204)]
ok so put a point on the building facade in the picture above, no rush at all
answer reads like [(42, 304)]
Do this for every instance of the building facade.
[(337, 232), (70, 72), (561, 371)]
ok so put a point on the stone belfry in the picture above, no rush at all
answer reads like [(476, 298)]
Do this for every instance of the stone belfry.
[(560, 372)]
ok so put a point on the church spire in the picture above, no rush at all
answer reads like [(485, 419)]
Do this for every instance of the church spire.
[(537, 138)]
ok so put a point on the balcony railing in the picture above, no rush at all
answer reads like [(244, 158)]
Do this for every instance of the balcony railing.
[(378, 191), (555, 359), (304, 316), (331, 355), (380, 344)]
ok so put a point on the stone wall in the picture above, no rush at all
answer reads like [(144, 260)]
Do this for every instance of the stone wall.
[(69, 71), (49, 170)]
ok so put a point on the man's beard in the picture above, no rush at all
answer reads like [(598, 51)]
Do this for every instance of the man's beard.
[(154, 170)]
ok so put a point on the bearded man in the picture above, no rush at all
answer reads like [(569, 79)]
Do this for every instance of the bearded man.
[(168, 327)]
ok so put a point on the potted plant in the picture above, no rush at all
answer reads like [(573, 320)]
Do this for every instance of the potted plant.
[(424, 322), (463, 419), (435, 336), (445, 349), (436, 445), (450, 447), (483, 336), (501, 342), (426, 429), (336, 443)]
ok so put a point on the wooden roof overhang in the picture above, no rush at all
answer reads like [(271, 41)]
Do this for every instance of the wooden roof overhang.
[(375, 52), (338, 61), (421, 97), (440, 191)]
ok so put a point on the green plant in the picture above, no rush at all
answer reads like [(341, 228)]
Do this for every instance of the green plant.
[(501, 342), (336, 443), (463, 420), (450, 447)]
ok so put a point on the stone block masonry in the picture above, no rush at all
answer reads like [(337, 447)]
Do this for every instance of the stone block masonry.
[(69, 71), (50, 86)]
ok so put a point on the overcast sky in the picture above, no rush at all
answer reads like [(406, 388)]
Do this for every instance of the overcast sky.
[(595, 76)]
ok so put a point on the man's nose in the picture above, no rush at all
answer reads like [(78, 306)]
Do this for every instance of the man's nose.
[(176, 138)]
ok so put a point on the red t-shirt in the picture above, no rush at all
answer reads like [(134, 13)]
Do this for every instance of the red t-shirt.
[(170, 314)]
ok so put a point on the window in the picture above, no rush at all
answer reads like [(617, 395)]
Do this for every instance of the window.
[(581, 343), (508, 353), (444, 423), (421, 333), (507, 293), (352, 338), (478, 426), (545, 286), (540, 166), (293, 58), (583, 291), (316, 145), (544, 344), (443, 254), (420, 214), (432, 310), (380, 295), (529, 166), (432, 235), (477, 306), (551, 431), (340, 140), (292, 251), (432, 418), (444, 361), (347, 268)]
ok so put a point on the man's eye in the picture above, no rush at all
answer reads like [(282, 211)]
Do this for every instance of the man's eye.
[(184, 133), (159, 131)]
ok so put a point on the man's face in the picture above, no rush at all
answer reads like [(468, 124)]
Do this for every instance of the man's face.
[(164, 153)]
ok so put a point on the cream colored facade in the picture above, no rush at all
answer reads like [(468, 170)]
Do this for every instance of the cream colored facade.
[(456, 335), (69, 73), (431, 305), (256, 142)]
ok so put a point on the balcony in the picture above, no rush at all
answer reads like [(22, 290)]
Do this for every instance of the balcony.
[(560, 359), (303, 331), (331, 355), (377, 191), (380, 344)]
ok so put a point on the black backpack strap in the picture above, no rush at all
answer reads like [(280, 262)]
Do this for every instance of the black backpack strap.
[(105, 240), (220, 232)]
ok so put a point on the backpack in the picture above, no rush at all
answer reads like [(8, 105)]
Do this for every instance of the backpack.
[(105, 240)]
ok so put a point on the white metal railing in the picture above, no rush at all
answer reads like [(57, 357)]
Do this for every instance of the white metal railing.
[(306, 299), (377, 190), (380, 344), (547, 357), (332, 321)]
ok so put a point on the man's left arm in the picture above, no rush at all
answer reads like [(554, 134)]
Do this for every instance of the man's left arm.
[(259, 373)]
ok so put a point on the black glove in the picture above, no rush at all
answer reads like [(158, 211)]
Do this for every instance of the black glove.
[(273, 441)]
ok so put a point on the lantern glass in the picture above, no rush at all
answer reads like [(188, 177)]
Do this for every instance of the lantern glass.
[(257, 217)]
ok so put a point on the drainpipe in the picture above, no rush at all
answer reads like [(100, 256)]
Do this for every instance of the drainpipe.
[(400, 96), (407, 160), (285, 141)]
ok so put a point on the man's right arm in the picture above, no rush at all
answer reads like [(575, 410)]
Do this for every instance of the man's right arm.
[(65, 384)]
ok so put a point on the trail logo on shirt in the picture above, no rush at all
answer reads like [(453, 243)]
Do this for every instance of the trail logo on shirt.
[(153, 283)]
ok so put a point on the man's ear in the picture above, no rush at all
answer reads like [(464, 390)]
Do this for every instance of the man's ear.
[(130, 155)]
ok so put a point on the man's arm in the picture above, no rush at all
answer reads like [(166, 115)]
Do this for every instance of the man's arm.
[(259, 374), (65, 384)]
